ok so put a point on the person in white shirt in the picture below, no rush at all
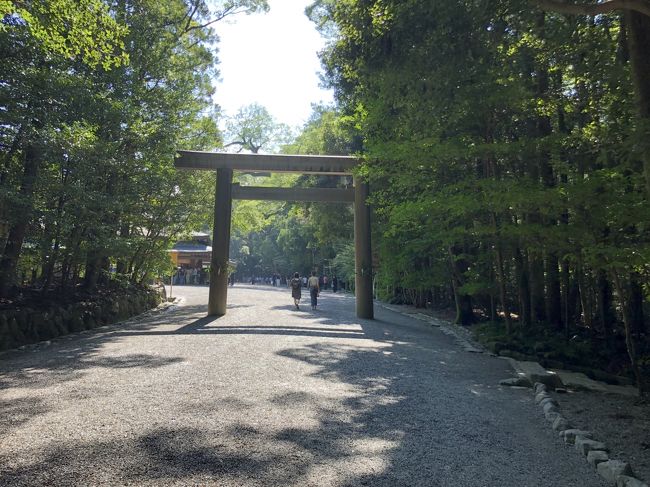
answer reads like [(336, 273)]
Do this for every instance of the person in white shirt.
[(314, 290)]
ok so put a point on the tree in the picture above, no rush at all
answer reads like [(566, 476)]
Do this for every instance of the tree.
[(253, 128), (99, 142), (70, 28)]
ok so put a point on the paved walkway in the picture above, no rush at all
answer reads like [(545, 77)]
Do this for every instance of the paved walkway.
[(271, 396)]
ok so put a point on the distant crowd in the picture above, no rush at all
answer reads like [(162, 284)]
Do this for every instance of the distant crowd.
[(199, 276), (196, 276), (277, 280)]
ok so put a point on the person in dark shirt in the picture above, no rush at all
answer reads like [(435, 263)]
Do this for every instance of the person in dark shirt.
[(296, 287)]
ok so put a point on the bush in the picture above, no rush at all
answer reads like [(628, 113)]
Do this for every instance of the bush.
[(582, 353)]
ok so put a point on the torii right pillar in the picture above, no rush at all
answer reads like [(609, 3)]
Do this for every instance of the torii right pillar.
[(362, 251)]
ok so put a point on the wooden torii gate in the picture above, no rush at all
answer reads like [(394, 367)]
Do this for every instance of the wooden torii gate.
[(224, 164)]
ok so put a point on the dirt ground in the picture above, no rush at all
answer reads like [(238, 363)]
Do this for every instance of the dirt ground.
[(621, 422)]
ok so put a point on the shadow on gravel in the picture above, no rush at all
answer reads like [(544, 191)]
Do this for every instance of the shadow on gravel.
[(70, 364), (162, 454), (400, 408), (209, 325), (16, 412), (418, 416), (67, 358)]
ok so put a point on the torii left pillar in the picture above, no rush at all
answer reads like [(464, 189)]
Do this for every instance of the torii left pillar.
[(362, 251), (220, 244)]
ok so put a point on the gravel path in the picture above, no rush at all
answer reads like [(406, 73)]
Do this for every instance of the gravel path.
[(268, 395)]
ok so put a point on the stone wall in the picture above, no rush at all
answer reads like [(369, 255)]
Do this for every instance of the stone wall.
[(23, 325)]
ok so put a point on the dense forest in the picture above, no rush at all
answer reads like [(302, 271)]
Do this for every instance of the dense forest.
[(508, 147), (507, 144)]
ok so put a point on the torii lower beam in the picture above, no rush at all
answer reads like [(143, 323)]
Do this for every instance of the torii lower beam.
[(330, 195), (224, 164)]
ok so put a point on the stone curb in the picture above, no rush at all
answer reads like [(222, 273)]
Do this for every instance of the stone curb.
[(446, 328), (616, 472)]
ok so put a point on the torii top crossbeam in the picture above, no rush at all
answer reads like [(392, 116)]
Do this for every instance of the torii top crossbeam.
[(332, 165)]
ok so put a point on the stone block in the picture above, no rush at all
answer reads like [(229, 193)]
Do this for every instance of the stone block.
[(515, 382), (560, 424), (549, 400), (611, 469), (541, 396), (585, 445), (534, 372), (594, 457), (549, 407), (551, 416), (570, 435), (629, 481), (550, 379)]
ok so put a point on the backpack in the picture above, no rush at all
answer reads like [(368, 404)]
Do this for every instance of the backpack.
[(295, 283)]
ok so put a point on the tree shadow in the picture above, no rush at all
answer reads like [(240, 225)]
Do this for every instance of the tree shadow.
[(394, 426), (18, 411), (68, 357), (210, 325), (423, 414), (401, 407), (162, 454)]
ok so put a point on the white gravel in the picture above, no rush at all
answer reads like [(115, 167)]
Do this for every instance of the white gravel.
[(271, 396)]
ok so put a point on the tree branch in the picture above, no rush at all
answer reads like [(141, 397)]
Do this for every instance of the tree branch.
[(227, 12), (641, 6), (236, 142), (190, 15)]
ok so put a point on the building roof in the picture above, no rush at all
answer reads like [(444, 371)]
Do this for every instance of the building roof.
[(190, 247)]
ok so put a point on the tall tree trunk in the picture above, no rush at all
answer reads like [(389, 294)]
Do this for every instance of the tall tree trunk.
[(93, 270), (536, 279), (553, 294), (48, 268), (501, 275), (541, 173), (7, 156), (50, 263), (464, 309), (585, 302), (18, 229), (638, 38), (568, 300), (523, 286), (635, 303), (604, 303), (643, 383), (73, 248), (122, 264)]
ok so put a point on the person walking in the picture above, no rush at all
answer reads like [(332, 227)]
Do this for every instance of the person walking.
[(314, 290), (335, 284), (296, 288)]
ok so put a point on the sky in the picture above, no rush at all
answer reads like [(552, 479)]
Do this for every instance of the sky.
[(271, 59)]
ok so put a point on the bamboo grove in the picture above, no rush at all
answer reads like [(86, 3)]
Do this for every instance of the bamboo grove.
[(508, 151)]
